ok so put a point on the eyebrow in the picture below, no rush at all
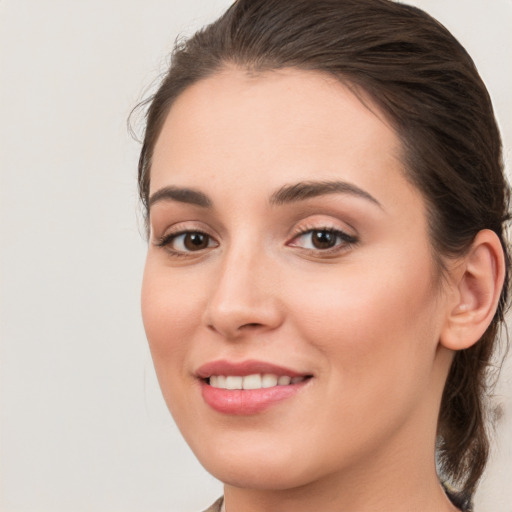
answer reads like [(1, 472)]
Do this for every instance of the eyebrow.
[(286, 194), (309, 189), (182, 195)]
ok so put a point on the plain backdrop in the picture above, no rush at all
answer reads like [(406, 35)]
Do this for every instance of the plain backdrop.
[(83, 425)]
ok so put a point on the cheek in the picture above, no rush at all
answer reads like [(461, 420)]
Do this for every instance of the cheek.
[(376, 340), (171, 313), (373, 323)]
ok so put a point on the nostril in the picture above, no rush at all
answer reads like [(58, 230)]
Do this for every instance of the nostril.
[(236, 331), (250, 325)]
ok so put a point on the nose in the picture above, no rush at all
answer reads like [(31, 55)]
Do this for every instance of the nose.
[(244, 296)]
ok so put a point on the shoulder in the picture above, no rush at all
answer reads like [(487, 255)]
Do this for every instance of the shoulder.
[(216, 507)]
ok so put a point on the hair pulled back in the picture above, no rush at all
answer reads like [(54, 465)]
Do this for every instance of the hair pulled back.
[(427, 86)]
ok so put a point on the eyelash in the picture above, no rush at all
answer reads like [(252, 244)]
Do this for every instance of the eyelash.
[(347, 241), (166, 241)]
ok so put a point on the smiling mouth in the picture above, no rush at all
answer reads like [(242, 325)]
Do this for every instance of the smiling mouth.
[(253, 381), (248, 387)]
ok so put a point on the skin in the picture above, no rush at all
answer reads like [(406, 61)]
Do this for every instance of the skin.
[(364, 318)]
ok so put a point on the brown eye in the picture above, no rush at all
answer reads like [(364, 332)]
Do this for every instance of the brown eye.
[(195, 241), (187, 242), (323, 239)]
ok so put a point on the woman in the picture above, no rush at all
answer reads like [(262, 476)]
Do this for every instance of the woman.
[(327, 270)]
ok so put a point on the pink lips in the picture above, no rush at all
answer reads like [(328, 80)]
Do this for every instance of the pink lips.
[(246, 402)]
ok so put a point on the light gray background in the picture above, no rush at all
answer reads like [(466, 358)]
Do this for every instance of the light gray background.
[(83, 425)]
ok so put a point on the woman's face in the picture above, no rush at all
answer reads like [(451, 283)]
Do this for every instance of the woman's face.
[(286, 244)]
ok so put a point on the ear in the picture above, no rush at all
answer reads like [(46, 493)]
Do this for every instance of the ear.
[(477, 282)]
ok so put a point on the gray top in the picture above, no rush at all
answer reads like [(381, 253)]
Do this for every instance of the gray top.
[(218, 506)]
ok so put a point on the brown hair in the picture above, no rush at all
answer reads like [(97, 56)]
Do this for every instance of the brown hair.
[(428, 87)]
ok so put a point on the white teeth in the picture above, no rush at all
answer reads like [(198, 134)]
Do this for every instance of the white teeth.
[(233, 382), (268, 380), (284, 380), (254, 381)]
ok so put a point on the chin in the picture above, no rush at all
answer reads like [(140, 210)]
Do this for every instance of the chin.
[(262, 467), (259, 475)]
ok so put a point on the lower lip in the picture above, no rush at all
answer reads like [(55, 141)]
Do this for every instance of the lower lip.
[(247, 401)]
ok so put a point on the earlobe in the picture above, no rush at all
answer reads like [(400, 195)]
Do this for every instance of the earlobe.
[(477, 283)]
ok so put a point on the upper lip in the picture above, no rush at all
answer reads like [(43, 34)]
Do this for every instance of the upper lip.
[(243, 368)]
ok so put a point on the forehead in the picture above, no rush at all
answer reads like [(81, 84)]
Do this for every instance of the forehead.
[(272, 128)]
